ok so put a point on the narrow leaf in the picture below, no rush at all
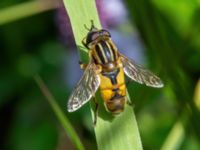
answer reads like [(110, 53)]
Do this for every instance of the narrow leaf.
[(60, 115), (197, 95), (175, 137), (25, 9), (120, 132)]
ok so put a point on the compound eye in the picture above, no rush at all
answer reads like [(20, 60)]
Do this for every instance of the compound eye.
[(95, 36), (105, 32)]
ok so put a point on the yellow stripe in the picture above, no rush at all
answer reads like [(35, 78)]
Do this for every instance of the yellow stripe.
[(104, 56), (114, 48)]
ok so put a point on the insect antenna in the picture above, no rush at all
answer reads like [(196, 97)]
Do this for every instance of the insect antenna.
[(92, 24), (92, 28)]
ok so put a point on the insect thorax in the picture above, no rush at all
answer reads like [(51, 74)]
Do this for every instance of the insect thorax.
[(104, 53)]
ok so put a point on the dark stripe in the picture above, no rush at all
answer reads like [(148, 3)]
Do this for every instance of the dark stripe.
[(110, 51), (100, 55), (116, 96), (95, 61), (106, 51), (115, 90), (112, 76)]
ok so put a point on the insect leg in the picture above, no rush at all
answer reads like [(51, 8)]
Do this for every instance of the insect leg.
[(129, 102), (84, 42), (83, 65)]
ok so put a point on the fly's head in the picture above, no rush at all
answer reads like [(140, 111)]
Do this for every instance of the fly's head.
[(94, 36)]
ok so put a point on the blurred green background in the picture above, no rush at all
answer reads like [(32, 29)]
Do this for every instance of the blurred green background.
[(36, 38)]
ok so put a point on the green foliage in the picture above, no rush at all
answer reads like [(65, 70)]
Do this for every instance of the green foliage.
[(111, 133), (165, 31), (167, 118)]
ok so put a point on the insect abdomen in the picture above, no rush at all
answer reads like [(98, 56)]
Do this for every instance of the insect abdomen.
[(116, 106), (113, 90)]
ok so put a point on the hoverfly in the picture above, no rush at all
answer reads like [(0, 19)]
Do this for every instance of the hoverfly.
[(106, 70)]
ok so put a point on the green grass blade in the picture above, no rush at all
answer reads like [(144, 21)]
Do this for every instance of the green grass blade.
[(112, 133), (26, 9), (177, 133), (120, 132), (197, 95), (60, 115), (81, 12), (175, 137)]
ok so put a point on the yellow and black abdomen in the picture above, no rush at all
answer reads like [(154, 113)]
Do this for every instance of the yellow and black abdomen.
[(113, 90)]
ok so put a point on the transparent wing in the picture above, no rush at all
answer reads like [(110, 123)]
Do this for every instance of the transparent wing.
[(85, 88), (139, 73)]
